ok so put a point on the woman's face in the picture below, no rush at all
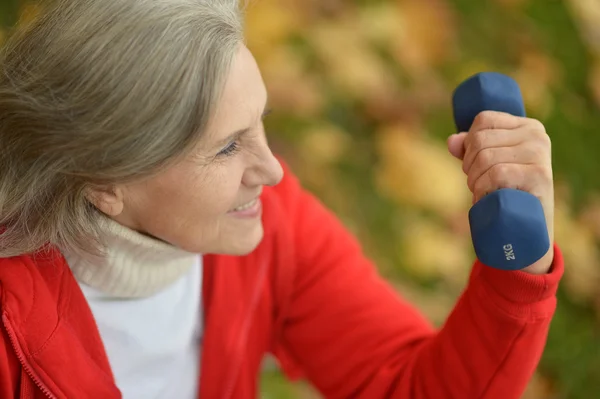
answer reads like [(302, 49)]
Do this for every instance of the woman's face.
[(208, 202)]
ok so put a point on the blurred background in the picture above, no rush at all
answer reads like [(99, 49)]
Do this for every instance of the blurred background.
[(361, 97)]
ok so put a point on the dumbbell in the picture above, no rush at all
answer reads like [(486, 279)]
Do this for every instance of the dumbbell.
[(508, 226)]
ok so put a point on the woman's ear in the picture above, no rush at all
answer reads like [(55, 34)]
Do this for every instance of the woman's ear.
[(108, 200)]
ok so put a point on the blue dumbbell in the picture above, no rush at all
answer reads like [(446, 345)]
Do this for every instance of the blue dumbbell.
[(508, 226)]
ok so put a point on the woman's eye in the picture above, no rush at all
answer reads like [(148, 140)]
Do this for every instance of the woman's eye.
[(230, 149)]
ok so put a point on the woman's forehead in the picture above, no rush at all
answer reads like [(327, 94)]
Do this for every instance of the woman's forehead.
[(243, 100)]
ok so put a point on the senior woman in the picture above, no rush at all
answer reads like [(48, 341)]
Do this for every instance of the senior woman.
[(153, 246)]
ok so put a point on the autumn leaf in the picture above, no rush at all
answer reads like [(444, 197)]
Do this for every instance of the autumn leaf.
[(315, 10), (429, 36), (268, 24), (290, 86), (450, 260), (382, 23), (319, 148), (349, 62), (392, 106), (536, 75), (590, 215), (587, 12), (578, 244), (418, 171), (324, 144)]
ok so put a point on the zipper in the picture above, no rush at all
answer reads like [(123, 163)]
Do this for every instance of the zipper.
[(22, 359)]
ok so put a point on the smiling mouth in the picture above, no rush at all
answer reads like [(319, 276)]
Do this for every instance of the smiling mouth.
[(247, 205)]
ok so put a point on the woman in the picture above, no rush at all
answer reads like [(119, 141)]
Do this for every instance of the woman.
[(132, 142)]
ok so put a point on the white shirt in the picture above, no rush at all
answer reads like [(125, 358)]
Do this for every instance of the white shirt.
[(153, 343)]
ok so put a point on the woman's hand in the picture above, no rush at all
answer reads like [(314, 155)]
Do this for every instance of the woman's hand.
[(505, 151)]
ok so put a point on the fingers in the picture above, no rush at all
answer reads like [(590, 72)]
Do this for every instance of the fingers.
[(486, 158), (483, 139), (489, 120), (504, 151), (514, 132), (534, 178), (456, 145)]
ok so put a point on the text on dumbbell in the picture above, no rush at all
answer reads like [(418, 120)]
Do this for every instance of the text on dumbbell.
[(509, 253)]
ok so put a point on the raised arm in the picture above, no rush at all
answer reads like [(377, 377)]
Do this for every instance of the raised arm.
[(353, 335)]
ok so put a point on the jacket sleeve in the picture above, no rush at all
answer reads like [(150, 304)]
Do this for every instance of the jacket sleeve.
[(353, 336)]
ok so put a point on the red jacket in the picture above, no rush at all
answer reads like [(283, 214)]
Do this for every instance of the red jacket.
[(306, 294)]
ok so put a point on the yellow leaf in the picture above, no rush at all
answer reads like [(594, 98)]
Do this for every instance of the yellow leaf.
[(314, 10), (324, 145), (578, 245), (429, 36), (587, 12), (419, 171), (536, 75), (590, 215), (349, 61), (321, 178), (391, 106), (382, 23), (319, 148), (290, 86), (268, 23), (450, 260), (386, 24)]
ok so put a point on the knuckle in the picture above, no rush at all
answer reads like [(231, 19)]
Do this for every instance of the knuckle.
[(485, 118), (540, 151), (487, 115), (471, 182), (544, 172), (500, 173), (485, 157), (539, 132), (545, 140), (478, 140), (537, 126), (478, 187)]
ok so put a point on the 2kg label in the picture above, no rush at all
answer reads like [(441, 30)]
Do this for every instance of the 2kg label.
[(509, 253)]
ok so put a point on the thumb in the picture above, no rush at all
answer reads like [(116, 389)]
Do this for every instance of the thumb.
[(456, 145)]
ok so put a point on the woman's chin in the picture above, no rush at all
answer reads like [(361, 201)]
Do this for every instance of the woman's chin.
[(234, 239), (244, 243), (239, 241)]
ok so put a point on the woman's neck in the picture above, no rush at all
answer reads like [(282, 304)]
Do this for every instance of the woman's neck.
[(133, 265)]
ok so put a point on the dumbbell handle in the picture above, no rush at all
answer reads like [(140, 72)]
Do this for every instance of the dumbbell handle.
[(508, 226)]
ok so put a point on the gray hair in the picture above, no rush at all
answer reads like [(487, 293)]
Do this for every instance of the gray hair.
[(99, 92)]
